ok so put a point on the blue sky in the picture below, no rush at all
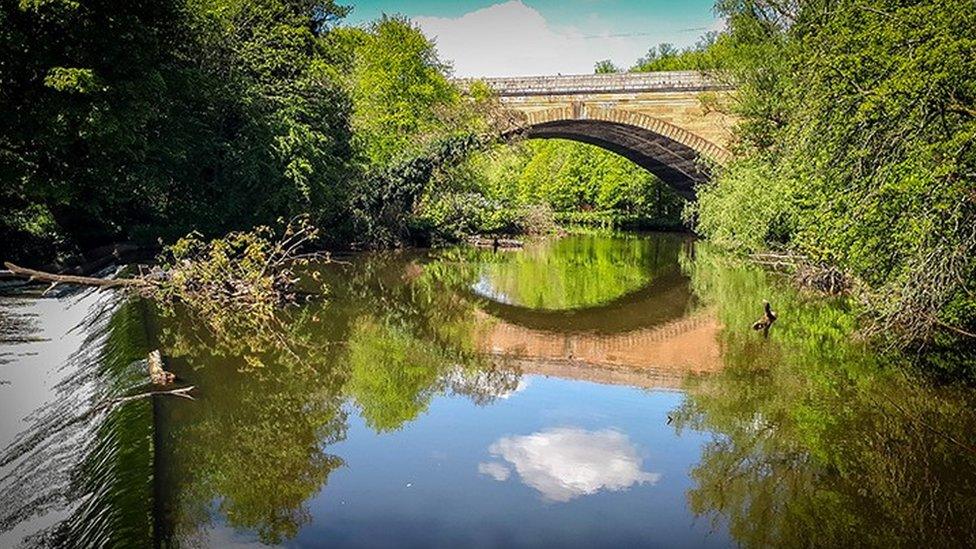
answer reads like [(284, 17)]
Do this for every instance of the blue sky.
[(523, 37)]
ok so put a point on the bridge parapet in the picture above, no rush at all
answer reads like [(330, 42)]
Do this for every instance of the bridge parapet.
[(641, 82)]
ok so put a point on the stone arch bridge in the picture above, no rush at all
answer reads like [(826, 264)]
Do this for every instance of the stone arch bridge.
[(659, 120)]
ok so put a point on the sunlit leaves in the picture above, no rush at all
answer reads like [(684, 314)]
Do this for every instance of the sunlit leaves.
[(855, 144), (818, 437)]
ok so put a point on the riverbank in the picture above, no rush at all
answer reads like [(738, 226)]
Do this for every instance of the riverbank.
[(868, 172)]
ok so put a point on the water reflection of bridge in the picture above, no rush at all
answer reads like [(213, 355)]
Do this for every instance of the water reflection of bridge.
[(659, 356), (665, 299)]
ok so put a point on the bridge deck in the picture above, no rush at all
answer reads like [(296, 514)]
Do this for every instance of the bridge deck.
[(641, 82)]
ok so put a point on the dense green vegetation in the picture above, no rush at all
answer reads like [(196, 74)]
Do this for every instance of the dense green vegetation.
[(856, 149), (705, 55), (153, 119), (569, 182), (149, 119), (818, 437)]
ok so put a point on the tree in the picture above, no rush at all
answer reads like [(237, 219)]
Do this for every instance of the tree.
[(400, 91), (706, 54), (856, 150), (605, 67), (150, 119)]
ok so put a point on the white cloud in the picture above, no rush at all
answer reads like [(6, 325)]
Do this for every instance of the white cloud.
[(512, 39), (566, 463), (494, 470)]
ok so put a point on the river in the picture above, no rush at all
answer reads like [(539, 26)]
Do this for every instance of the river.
[(594, 390)]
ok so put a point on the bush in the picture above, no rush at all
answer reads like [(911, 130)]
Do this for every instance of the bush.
[(856, 150)]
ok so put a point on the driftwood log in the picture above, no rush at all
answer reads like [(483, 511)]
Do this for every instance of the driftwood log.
[(55, 279), (496, 243), (182, 392)]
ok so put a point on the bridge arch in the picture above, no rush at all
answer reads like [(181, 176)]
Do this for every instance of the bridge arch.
[(675, 155), (660, 120)]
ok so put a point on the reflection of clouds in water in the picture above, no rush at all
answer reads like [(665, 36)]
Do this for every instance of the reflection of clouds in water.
[(494, 470), (568, 462), (484, 288), (522, 385)]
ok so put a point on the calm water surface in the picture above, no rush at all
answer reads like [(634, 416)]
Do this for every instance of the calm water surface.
[(588, 391)]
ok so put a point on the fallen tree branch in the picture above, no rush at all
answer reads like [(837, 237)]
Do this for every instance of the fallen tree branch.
[(55, 279), (951, 328), (806, 273), (182, 392)]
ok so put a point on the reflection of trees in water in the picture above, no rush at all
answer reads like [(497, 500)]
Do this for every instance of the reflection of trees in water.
[(255, 444), (253, 449), (390, 339), (819, 441), (394, 375), (574, 272), (414, 339)]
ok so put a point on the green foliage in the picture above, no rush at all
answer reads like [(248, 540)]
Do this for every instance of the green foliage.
[(409, 120), (605, 67), (235, 285), (817, 435), (154, 119), (574, 180), (386, 198), (400, 91), (574, 176), (856, 140), (768, 220), (69, 79), (148, 119), (704, 55)]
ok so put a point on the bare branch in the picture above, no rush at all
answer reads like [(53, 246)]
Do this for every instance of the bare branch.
[(183, 392), (55, 279)]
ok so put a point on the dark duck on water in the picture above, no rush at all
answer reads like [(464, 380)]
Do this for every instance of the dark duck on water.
[(765, 321)]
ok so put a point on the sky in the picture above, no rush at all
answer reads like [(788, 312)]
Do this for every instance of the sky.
[(537, 37)]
